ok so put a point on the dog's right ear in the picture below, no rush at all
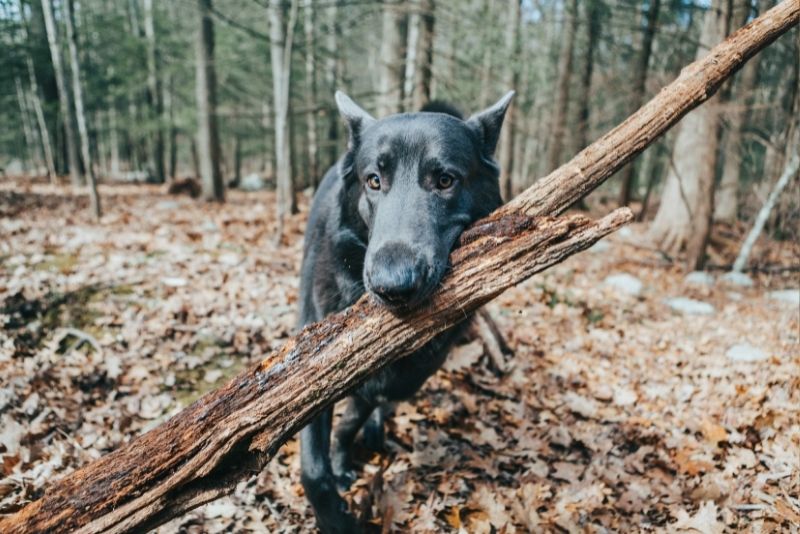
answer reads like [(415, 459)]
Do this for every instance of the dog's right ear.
[(356, 118)]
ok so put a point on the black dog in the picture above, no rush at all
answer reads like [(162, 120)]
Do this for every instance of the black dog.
[(384, 220)]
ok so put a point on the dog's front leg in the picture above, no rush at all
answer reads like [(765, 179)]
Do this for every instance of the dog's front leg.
[(356, 412), (318, 480)]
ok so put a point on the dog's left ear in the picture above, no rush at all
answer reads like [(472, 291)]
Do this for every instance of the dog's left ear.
[(356, 118), (489, 122)]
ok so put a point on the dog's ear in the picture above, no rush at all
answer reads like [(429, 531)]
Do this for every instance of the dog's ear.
[(489, 121), (356, 118)]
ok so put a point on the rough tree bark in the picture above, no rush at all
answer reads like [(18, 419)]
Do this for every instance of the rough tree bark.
[(639, 83), (80, 111), (208, 149), (205, 450), (683, 220), (65, 106), (281, 34), (558, 125)]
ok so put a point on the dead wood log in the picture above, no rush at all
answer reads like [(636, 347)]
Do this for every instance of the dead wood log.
[(202, 452)]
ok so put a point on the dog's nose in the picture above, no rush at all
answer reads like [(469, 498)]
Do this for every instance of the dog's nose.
[(394, 274)]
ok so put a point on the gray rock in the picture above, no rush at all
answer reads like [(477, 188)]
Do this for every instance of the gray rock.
[(699, 278), (745, 353), (252, 182), (625, 283), (788, 296), (688, 306), (600, 246), (737, 279), (167, 205)]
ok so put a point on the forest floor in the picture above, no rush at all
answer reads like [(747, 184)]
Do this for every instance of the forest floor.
[(621, 409)]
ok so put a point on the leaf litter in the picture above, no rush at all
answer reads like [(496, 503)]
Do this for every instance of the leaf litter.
[(616, 413)]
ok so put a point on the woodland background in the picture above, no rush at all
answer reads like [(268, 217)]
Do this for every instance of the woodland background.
[(639, 397)]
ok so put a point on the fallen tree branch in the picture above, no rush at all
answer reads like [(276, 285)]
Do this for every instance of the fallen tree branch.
[(202, 452)]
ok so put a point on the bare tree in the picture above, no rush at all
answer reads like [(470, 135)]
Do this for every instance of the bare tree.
[(392, 58), (311, 91), (333, 73), (559, 121), (423, 72), (513, 48), (27, 126), (683, 221), (208, 150), (80, 111), (639, 84), (65, 106), (281, 33), (44, 133), (154, 93)]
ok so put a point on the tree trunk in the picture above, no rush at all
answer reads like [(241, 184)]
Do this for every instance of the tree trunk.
[(592, 35), (154, 94), (683, 221), (208, 150), (80, 111), (486, 60), (423, 72), (281, 33), (31, 149), (44, 133), (333, 73), (513, 47), (201, 453), (392, 58), (639, 85), (113, 137), (559, 121), (410, 73), (65, 106), (311, 93)]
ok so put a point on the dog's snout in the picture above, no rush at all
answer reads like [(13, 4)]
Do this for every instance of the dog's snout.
[(395, 274)]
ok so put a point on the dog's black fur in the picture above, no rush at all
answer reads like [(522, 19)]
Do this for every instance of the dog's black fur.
[(384, 220)]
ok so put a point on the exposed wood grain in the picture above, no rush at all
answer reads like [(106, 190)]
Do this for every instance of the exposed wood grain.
[(203, 451)]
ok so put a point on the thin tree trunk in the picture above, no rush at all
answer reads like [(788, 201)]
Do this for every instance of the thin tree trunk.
[(486, 61), (208, 150), (592, 35), (113, 137), (27, 127), (513, 47), (154, 94), (639, 86), (559, 122), (281, 40), (44, 133), (203, 452), (392, 58), (311, 92), (333, 72), (683, 221), (64, 103), (410, 73), (80, 111), (423, 72)]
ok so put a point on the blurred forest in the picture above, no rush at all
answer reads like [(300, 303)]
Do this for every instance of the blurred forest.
[(157, 161), (240, 94)]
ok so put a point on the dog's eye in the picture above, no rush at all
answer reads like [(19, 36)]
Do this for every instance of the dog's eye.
[(374, 181), (445, 181)]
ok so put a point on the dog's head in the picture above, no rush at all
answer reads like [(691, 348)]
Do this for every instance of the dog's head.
[(422, 178)]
